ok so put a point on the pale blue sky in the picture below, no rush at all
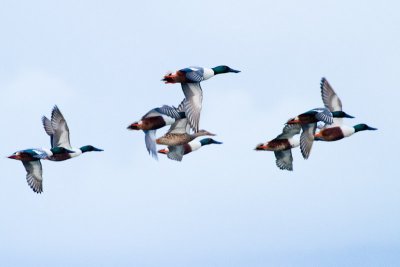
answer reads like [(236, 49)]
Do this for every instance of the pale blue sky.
[(101, 62)]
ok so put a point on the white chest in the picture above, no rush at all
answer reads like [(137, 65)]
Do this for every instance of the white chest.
[(195, 145), (76, 153), (168, 120), (294, 142), (347, 130), (208, 73)]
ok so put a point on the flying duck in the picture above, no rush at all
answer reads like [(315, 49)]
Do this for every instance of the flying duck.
[(179, 134), (190, 79), (282, 146), (308, 122), (156, 119), (31, 160), (177, 152), (58, 131), (340, 131), (332, 102)]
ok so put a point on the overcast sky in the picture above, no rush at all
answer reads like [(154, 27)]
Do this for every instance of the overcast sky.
[(225, 205)]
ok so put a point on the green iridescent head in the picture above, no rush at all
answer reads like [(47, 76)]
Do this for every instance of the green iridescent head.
[(209, 141), (89, 149), (341, 114), (223, 69), (363, 127)]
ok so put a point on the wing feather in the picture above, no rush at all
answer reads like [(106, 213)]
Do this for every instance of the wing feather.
[(193, 103), (34, 175), (329, 97), (289, 131), (179, 127), (176, 152), (150, 140), (60, 128), (284, 159), (307, 139), (169, 111)]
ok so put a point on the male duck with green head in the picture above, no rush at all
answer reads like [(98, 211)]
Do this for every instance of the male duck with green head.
[(190, 79), (58, 131), (337, 130), (196, 74)]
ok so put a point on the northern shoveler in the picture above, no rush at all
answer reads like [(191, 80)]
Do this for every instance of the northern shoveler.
[(282, 146), (58, 131), (177, 152)]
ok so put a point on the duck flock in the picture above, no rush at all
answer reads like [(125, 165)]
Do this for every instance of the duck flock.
[(328, 121), (320, 124)]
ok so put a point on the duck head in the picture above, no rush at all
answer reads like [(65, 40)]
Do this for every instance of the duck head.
[(209, 141), (223, 69), (134, 126), (363, 127), (341, 114), (163, 151), (293, 120), (260, 147), (89, 149), (16, 155)]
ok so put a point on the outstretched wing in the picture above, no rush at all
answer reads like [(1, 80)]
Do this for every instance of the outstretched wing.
[(307, 139), (284, 159), (289, 131), (176, 152), (193, 103), (329, 97), (48, 128), (179, 127), (34, 175), (181, 107), (169, 111), (150, 140), (60, 137)]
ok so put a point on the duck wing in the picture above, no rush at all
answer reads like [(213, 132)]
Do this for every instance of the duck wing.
[(48, 128), (289, 131), (324, 115), (181, 107), (176, 152), (284, 159), (193, 103), (194, 74), (150, 140), (329, 97), (34, 175), (38, 153), (169, 111), (59, 134), (307, 138), (179, 127)]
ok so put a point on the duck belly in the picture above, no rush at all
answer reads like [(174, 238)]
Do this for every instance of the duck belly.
[(331, 134), (278, 145), (60, 157), (153, 123)]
